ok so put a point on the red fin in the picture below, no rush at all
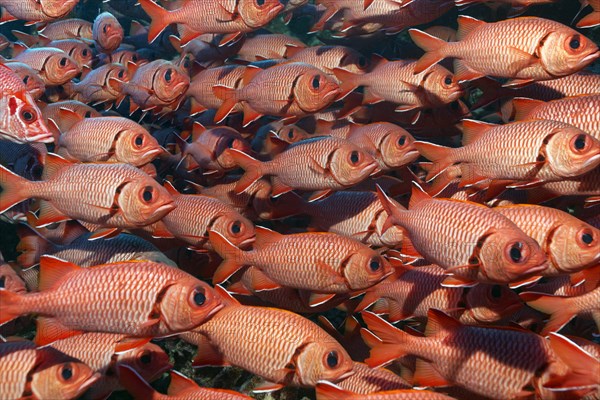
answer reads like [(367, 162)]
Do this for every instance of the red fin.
[(105, 233), (320, 195), (370, 298), (14, 189), (53, 270), (394, 342), (555, 306), (207, 354), (31, 246), (135, 384), (196, 108), (427, 375), (265, 237), (49, 215), (348, 81), (466, 25), (27, 39), (259, 282), (440, 155), (267, 386), (159, 18), (252, 167), (517, 83), (433, 47), (10, 303), (317, 299), (584, 368), (50, 330), (474, 130), (238, 288), (417, 195), (250, 114), (170, 188), (54, 163), (232, 257), (249, 73), (455, 281), (187, 34), (469, 176), (160, 231), (68, 118), (228, 96), (128, 343), (524, 282), (230, 38), (439, 323), (180, 383), (226, 297), (523, 107), (329, 391), (590, 20)]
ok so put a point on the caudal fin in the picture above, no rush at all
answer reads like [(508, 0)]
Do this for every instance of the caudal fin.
[(227, 95), (584, 369), (135, 384), (394, 342), (14, 189), (252, 166), (232, 257), (159, 18), (11, 306), (555, 306), (433, 47), (348, 81), (439, 155), (329, 391)]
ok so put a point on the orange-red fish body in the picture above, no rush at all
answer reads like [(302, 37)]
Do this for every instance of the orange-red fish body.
[(101, 85), (200, 90), (20, 118), (326, 58), (107, 33), (266, 47), (37, 11), (71, 28), (368, 380), (54, 65), (329, 391), (136, 298)]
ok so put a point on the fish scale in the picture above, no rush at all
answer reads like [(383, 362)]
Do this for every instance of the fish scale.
[(67, 28), (96, 87), (38, 59), (202, 83), (17, 360)]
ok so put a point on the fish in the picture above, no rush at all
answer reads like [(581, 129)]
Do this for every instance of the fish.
[(586, 185), (327, 58), (196, 215), (10, 280), (21, 119), (329, 391), (105, 139), (332, 164), (494, 373), (547, 49), (517, 6), (200, 91), (369, 380), (409, 91), (562, 308), (489, 252), (34, 85), (53, 65), (490, 304), (48, 373), (324, 263), (229, 17), (591, 19), (110, 195), (299, 357), (69, 28), (570, 243), (78, 50), (581, 111), (133, 309), (33, 11), (295, 90), (180, 387), (546, 151), (267, 47), (101, 85), (107, 33)]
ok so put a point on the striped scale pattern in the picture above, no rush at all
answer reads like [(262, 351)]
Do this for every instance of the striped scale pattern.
[(17, 360), (202, 83), (579, 83), (367, 380)]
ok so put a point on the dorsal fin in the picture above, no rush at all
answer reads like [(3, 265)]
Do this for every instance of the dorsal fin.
[(54, 163), (249, 74), (291, 50), (417, 195), (466, 25), (53, 270), (474, 130), (523, 107), (197, 130), (265, 236), (226, 297), (68, 118), (180, 383), (438, 321), (170, 188)]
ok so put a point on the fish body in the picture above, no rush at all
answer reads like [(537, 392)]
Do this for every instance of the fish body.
[(200, 90), (328, 391), (326, 58), (101, 85), (68, 29), (271, 46), (79, 51), (34, 85), (368, 380), (107, 33), (38, 11), (157, 84), (54, 66)]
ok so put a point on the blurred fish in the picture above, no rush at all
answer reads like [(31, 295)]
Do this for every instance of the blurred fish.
[(107, 33), (33, 11), (268, 46), (34, 85), (329, 391), (101, 85), (54, 66), (70, 28), (327, 58)]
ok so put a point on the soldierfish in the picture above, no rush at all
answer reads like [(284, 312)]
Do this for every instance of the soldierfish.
[(21, 119), (368, 380), (139, 299), (326, 58), (34, 85), (101, 85), (200, 90), (107, 33), (268, 46), (36, 10), (545, 50), (54, 65), (71, 28), (329, 391)]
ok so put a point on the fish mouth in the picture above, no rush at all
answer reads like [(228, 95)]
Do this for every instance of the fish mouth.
[(247, 241), (588, 59), (155, 151), (593, 159), (166, 208), (45, 137), (372, 169), (216, 309), (346, 375), (89, 382)]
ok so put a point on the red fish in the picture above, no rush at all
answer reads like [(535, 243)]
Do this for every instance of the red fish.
[(107, 33), (37, 11), (54, 65)]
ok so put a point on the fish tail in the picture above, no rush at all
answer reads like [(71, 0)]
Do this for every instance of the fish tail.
[(348, 81), (31, 246), (393, 210), (232, 257), (14, 189), (135, 384), (229, 98), (392, 344), (439, 155), (159, 18), (557, 307), (252, 166), (590, 20), (329, 391), (433, 47), (11, 304), (584, 369)]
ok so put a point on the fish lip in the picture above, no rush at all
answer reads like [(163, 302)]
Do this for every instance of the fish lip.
[(169, 207), (346, 375), (247, 241), (215, 310), (373, 168), (90, 381), (589, 58), (592, 159), (41, 138)]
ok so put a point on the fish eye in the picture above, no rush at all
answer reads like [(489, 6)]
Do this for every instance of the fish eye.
[(139, 140), (575, 43), (586, 237), (67, 372), (260, 3), (84, 52), (28, 115), (448, 80), (236, 227), (147, 194), (26, 79), (496, 291), (198, 296), (121, 73), (2, 282), (88, 114), (580, 143), (375, 265), (168, 75), (63, 62), (134, 58), (354, 157), (332, 359), (402, 140), (316, 82), (105, 28), (146, 357), (515, 252), (290, 134)]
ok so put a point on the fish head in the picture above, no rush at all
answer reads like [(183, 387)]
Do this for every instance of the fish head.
[(566, 51), (441, 87), (24, 120), (490, 303), (364, 268), (135, 145), (229, 138), (149, 360), (323, 359), (508, 255), (34, 84), (10, 280), (350, 165), (62, 380), (60, 68), (144, 201), (107, 32), (235, 227), (169, 82), (57, 8), (187, 303), (315, 90), (81, 53), (573, 246), (571, 152), (290, 133), (397, 148), (119, 74), (258, 13)]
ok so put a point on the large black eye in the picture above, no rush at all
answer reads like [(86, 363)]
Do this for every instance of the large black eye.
[(316, 82), (496, 291), (84, 52), (199, 297), (580, 142), (448, 80), (260, 3), (354, 157), (134, 58), (147, 195), (139, 140), (236, 227), (27, 115), (121, 73), (88, 114), (67, 372), (402, 140), (291, 134), (587, 238), (146, 357), (26, 79), (105, 28), (168, 75), (374, 265), (332, 359), (515, 252), (63, 62), (2, 281), (575, 43)]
